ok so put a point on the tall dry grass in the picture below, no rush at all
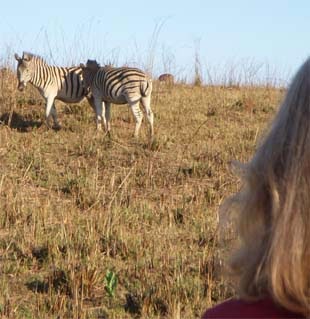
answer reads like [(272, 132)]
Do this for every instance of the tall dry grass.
[(76, 206)]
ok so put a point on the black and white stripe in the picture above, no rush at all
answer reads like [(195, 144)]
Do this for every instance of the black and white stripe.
[(65, 84), (119, 86)]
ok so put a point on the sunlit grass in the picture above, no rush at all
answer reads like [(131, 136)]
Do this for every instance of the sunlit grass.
[(76, 205)]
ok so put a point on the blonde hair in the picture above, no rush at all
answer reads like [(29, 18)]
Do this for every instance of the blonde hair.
[(273, 207)]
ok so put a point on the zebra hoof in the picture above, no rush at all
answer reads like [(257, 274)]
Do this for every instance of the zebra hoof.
[(57, 127)]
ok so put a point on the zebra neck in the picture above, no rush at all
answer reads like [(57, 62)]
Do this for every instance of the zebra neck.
[(41, 76)]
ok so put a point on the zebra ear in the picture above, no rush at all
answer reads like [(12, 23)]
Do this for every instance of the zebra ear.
[(26, 57), (17, 57)]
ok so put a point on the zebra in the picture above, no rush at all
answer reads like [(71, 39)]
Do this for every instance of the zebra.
[(118, 85), (61, 83), (167, 78)]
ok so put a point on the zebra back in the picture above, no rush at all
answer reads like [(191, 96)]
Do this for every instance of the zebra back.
[(166, 77), (116, 85)]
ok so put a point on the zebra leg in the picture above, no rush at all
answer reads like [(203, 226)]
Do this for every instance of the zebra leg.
[(146, 102), (138, 117), (91, 101), (100, 107), (49, 106), (55, 117), (108, 116)]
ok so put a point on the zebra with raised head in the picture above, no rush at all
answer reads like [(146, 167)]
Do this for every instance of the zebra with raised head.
[(119, 86), (53, 82)]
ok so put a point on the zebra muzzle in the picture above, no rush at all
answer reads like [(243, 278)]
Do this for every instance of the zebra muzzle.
[(21, 86)]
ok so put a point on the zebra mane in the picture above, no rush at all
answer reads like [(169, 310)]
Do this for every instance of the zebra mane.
[(108, 66), (31, 56)]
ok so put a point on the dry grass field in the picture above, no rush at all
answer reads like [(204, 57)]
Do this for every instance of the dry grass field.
[(93, 227)]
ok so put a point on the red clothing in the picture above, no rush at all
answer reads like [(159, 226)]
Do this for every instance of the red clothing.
[(263, 309)]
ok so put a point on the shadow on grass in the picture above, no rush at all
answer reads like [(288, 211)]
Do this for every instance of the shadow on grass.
[(57, 281), (38, 286), (18, 122)]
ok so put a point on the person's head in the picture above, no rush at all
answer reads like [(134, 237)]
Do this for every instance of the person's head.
[(273, 207)]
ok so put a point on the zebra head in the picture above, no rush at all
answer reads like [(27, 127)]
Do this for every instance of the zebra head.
[(89, 70), (24, 70)]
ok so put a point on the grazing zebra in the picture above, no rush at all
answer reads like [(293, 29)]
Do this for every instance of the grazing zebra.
[(119, 86), (167, 78), (64, 84)]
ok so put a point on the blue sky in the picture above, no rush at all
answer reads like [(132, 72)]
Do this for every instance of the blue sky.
[(272, 36)]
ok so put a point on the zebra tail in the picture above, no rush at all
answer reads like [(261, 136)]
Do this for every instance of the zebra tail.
[(146, 87)]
